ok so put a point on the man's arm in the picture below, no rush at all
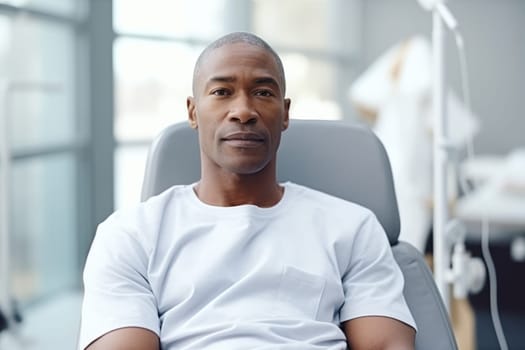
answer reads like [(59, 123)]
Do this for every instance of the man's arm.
[(119, 310), (129, 338), (379, 333)]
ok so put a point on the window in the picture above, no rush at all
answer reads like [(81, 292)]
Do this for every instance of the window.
[(152, 81), (66, 8), (183, 19), (44, 250), (43, 145), (298, 25), (42, 94)]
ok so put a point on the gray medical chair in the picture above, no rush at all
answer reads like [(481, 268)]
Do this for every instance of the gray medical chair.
[(343, 159)]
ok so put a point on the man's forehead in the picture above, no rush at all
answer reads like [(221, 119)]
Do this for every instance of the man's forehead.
[(229, 57), (237, 50)]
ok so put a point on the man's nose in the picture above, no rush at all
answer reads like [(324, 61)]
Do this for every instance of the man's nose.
[(242, 110)]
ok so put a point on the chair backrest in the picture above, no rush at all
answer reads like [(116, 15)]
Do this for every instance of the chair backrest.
[(344, 159)]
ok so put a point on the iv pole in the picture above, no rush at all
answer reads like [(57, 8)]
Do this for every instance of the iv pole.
[(442, 256), (441, 249), (451, 266)]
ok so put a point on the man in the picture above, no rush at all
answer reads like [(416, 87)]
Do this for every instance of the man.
[(238, 260)]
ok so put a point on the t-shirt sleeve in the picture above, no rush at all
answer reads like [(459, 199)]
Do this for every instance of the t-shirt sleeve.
[(117, 293), (373, 282)]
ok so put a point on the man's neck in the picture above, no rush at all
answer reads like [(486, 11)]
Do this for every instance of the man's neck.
[(239, 189)]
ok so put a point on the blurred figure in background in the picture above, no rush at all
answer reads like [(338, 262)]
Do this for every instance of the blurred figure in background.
[(394, 96)]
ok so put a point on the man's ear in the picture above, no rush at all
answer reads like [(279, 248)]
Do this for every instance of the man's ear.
[(192, 113), (286, 119)]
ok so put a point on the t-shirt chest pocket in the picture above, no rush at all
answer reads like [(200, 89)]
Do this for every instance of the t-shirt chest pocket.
[(299, 294)]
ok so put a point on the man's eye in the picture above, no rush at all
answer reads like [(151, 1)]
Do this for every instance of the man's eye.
[(220, 92), (264, 93)]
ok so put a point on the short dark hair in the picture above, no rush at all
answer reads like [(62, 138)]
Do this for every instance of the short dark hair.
[(239, 37)]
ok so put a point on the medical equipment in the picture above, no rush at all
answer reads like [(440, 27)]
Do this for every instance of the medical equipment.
[(441, 249), (443, 274), (445, 231), (517, 249)]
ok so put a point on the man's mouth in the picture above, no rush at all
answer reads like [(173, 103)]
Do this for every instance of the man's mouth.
[(244, 139)]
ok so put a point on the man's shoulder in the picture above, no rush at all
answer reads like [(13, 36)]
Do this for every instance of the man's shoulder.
[(140, 222), (178, 192), (318, 196), (148, 211)]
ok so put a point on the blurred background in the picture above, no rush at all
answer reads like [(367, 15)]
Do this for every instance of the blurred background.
[(86, 85)]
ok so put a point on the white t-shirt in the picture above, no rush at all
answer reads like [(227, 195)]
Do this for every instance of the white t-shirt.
[(242, 277)]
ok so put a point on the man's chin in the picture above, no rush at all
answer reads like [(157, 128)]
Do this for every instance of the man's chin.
[(247, 168)]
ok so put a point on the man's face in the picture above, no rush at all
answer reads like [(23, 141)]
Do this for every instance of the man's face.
[(239, 108)]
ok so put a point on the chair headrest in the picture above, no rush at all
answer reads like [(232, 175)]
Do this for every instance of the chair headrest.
[(340, 158)]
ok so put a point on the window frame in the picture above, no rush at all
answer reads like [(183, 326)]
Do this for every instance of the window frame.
[(79, 147)]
